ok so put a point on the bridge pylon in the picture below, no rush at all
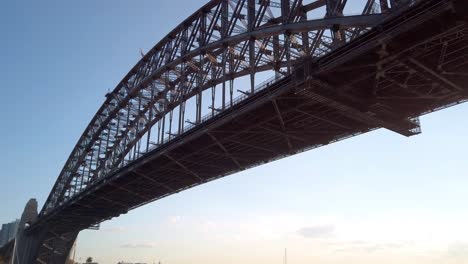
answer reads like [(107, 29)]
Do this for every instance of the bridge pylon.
[(28, 244)]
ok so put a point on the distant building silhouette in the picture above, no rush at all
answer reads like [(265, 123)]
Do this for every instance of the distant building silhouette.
[(8, 232), (121, 262), (89, 260)]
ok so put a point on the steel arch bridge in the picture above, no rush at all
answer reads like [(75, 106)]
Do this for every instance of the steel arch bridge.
[(221, 42), (178, 118)]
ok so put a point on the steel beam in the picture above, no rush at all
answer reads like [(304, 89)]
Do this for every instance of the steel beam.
[(403, 127)]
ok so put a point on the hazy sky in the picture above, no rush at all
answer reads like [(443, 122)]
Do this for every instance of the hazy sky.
[(378, 198)]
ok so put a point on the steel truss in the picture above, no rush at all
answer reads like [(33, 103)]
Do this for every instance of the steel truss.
[(412, 63), (196, 65)]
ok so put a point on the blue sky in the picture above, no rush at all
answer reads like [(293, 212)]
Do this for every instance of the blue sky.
[(379, 196)]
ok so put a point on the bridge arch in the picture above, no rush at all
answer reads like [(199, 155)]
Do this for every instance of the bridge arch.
[(222, 42), (137, 148)]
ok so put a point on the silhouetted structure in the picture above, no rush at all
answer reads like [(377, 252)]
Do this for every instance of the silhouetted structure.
[(333, 78), (8, 232)]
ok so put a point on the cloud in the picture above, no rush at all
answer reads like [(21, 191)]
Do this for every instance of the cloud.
[(139, 245), (363, 246), (346, 243), (458, 250), (317, 231)]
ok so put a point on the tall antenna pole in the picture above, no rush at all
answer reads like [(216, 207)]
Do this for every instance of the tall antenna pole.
[(285, 256)]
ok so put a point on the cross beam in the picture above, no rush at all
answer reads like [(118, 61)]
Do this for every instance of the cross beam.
[(404, 127)]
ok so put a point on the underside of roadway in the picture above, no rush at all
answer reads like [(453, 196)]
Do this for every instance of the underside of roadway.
[(384, 79)]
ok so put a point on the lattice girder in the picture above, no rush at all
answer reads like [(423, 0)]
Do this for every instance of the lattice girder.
[(223, 41)]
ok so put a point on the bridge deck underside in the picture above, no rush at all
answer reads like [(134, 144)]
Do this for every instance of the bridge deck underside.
[(359, 88)]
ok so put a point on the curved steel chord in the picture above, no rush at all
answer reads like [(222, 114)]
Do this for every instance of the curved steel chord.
[(223, 41)]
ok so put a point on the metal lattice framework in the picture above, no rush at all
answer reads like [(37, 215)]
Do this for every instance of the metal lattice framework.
[(191, 72)]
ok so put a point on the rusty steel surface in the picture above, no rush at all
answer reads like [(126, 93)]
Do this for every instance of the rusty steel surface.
[(332, 78)]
